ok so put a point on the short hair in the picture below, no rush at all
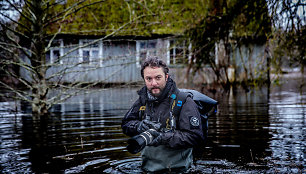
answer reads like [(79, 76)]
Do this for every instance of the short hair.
[(154, 62)]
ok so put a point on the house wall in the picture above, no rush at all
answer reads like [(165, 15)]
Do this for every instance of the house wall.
[(246, 62), (182, 77), (112, 62), (119, 63), (249, 62)]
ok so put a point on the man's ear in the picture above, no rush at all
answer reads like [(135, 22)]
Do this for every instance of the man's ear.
[(167, 75)]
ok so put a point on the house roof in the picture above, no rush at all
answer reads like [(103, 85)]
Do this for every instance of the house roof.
[(145, 18), (138, 18)]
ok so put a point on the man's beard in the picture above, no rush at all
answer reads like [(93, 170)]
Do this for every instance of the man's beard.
[(156, 94)]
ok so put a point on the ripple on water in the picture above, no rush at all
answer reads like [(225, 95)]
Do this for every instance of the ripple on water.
[(132, 165)]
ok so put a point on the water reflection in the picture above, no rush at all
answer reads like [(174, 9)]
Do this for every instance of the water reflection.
[(259, 131), (287, 114), (241, 126)]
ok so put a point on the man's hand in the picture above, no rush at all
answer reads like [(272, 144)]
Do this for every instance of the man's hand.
[(156, 141), (154, 134), (145, 125), (152, 125), (141, 127), (161, 139)]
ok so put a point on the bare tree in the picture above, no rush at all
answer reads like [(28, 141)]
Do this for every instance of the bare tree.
[(227, 26), (288, 40), (26, 42), (278, 25)]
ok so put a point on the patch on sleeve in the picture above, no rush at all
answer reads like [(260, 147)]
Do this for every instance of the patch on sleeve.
[(194, 122)]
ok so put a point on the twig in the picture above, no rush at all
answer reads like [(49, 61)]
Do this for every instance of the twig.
[(252, 155)]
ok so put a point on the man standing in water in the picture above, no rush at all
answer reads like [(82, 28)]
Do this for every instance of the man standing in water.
[(173, 137)]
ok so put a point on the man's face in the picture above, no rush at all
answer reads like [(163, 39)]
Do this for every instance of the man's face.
[(155, 80)]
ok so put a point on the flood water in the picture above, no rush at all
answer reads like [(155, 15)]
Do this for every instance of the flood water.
[(260, 130)]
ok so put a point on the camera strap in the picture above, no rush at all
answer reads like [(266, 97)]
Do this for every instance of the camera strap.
[(172, 120), (176, 102), (142, 110)]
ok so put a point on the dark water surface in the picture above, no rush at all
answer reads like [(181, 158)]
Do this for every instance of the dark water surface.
[(257, 131)]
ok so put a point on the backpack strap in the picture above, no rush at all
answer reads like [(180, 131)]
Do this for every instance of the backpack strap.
[(142, 112), (179, 102), (142, 108)]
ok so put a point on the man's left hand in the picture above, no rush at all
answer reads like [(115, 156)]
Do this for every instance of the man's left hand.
[(156, 141), (162, 138)]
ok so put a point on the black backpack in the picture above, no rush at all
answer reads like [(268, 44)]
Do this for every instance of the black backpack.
[(206, 105)]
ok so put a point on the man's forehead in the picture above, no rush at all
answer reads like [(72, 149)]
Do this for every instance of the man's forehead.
[(154, 72), (154, 75), (154, 67)]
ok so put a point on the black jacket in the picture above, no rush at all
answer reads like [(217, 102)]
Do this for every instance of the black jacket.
[(187, 134)]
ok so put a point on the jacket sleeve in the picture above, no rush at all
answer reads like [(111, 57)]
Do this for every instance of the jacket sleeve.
[(131, 119), (189, 132)]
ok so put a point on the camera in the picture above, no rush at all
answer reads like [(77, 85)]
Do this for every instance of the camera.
[(138, 142)]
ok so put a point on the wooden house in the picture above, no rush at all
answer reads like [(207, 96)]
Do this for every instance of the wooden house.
[(115, 60), (86, 51)]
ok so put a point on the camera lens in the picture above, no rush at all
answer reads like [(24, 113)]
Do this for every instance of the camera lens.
[(138, 142)]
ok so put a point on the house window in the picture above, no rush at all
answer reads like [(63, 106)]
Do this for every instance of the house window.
[(179, 52), (85, 56), (56, 52), (145, 49), (90, 52)]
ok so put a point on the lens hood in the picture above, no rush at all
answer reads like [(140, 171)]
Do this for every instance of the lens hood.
[(138, 142)]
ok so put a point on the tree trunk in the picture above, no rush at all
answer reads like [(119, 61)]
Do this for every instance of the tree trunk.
[(39, 104)]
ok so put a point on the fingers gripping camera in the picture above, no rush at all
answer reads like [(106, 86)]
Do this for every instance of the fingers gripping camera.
[(145, 125)]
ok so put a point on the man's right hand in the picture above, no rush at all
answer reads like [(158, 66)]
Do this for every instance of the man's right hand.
[(145, 125), (152, 125), (142, 126)]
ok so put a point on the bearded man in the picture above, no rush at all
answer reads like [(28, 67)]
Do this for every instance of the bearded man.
[(173, 136)]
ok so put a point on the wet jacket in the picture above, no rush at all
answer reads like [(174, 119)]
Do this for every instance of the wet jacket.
[(185, 136)]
